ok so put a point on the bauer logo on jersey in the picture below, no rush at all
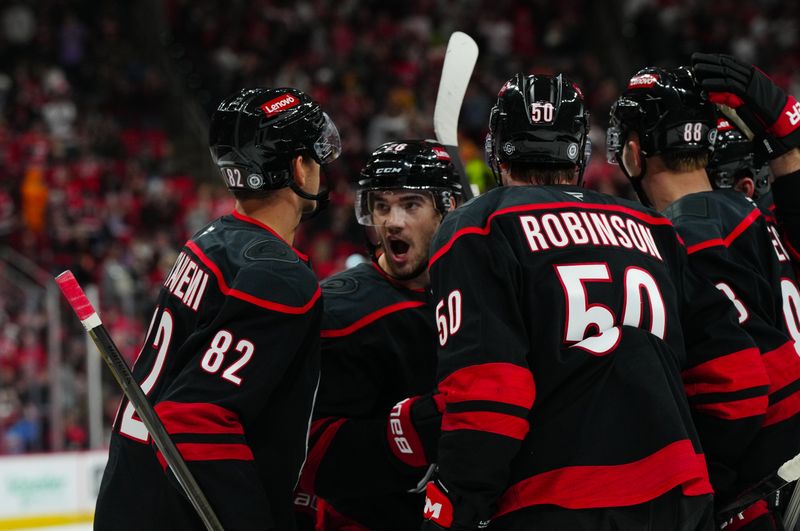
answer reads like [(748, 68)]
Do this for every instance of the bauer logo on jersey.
[(279, 104), (441, 154), (643, 81)]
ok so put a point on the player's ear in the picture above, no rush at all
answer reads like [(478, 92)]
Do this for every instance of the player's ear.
[(632, 156), (747, 186), (298, 171)]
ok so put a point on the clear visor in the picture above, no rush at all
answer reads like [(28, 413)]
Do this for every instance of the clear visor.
[(376, 208), (613, 144), (328, 146)]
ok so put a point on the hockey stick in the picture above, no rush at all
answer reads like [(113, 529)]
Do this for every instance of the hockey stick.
[(788, 472), (792, 510), (108, 350), (459, 61)]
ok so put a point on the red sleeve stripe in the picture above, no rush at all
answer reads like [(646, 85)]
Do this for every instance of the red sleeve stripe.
[(197, 417), (370, 318), (308, 478), (782, 125), (483, 231), (734, 372), (783, 409), (783, 366), (495, 382), (210, 452), (263, 303), (486, 421), (590, 487), (735, 409), (729, 239)]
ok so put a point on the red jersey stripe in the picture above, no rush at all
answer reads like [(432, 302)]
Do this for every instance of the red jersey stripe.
[(370, 318), (487, 421), (725, 374), (496, 382), (784, 409), (783, 366), (264, 303), (483, 231), (198, 417), (586, 487), (730, 238), (735, 409), (315, 455), (210, 452), (758, 509)]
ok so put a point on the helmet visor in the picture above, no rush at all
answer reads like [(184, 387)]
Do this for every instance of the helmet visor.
[(613, 144), (328, 145), (378, 207)]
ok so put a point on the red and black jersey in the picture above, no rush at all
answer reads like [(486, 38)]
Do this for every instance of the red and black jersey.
[(731, 242), (231, 365), (378, 347), (571, 331), (786, 191)]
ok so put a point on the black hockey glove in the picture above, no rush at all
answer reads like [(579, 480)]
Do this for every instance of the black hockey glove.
[(445, 510), (414, 427), (771, 114)]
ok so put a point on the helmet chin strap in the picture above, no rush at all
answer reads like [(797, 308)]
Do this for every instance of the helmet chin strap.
[(636, 181), (322, 198)]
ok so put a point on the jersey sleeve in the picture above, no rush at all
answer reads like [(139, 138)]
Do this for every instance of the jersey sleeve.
[(483, 371), (348, 450), (724, 377), (226, 384), (786, 192)]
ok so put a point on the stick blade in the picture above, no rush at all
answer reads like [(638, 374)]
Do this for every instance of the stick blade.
[(459, 62)]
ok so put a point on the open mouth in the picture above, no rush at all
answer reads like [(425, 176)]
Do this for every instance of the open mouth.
[(398, 247)]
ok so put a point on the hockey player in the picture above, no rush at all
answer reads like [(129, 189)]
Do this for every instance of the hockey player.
[(231, 360), (773, 118), (565, 318), (662, 133), (377, 422), (733, 166)]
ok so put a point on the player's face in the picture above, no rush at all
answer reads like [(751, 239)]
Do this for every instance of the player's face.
[(405, 222)]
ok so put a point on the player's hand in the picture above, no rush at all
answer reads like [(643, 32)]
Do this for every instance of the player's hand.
[(771, 114), (414, 427), (445, 510)]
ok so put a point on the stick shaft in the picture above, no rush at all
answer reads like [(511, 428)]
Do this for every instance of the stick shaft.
[(116, 363)]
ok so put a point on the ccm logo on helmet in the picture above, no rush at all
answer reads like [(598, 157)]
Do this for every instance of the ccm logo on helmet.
[(643, 81), (388, 170), (279, 104)]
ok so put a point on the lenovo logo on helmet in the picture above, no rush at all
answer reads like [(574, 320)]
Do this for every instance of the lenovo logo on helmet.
[(279, 104), (643, 81), (723, 125)]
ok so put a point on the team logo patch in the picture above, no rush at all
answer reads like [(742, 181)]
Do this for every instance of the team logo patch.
[(441, 153), (572, 151), (509, 148), (643, 81), (712, 136), (279, 104), (255, 181)]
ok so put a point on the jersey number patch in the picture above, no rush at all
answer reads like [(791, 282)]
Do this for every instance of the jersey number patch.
[(593, 326)]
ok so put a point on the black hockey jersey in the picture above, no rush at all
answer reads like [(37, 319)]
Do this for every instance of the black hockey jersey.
[(571, 331), (786, 192), (378, 348), (731, 242), (231, 364)]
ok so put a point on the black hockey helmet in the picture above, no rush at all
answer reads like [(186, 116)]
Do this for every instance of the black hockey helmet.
[(734, 158), (255, 133), (421, 165), (541, 120), (667, 109)]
